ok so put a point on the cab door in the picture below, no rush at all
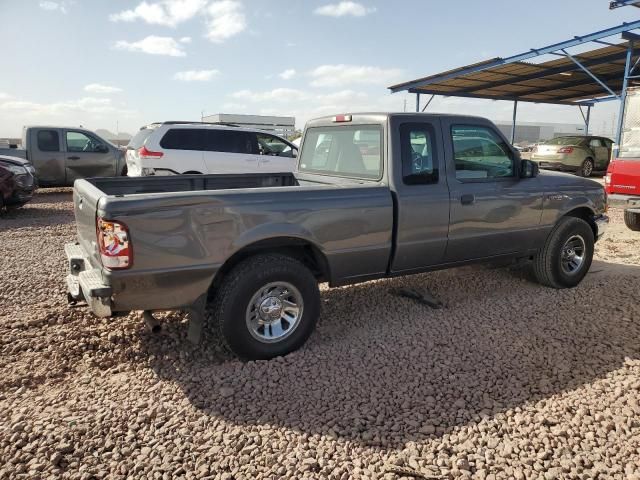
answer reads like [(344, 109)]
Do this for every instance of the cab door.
[(421, 193), (493, 211), (46, 154), (87, 156)]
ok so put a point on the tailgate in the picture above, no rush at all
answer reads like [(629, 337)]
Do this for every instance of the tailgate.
[(623, 176), (85, 204)]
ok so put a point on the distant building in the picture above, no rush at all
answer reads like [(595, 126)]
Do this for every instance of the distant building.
[(283, 126), (529, 132)]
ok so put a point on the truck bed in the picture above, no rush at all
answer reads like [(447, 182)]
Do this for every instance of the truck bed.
[(119, 186)]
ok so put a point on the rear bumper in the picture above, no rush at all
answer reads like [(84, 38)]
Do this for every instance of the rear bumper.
[(621, 199), (602, 224), (85, 282), (551, 165)]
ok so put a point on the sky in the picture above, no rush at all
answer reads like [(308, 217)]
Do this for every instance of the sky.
[(122, 64)]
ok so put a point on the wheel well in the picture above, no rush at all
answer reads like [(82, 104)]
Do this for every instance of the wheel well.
[(585, 214), (301, 250)]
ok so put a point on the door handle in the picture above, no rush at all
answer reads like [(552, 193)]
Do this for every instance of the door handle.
[(74, 158), (467, 199)]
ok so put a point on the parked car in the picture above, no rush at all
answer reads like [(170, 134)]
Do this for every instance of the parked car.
[(62, 155), (440, 191), (17, 182), (578, 154), (172, 148), (622, 181)]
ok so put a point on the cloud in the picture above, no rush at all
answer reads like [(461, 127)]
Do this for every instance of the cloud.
[(225, 19), (4, 96), (153, 45), (288, 74), (50, 6), (196, 75), (100, 88), (337, 75), (168, 13), (85, 105), (275, 95), (185, 40), (343, 9)]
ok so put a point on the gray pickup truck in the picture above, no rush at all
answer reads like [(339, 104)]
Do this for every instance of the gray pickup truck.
[(62, 155), (375, 195)]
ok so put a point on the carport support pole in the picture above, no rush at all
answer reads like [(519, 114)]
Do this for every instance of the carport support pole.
[(623, 98), (417, 103), (513, 123), (586, 120)]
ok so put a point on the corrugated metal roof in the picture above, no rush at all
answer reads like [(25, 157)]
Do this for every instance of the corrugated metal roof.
[(558, 81)]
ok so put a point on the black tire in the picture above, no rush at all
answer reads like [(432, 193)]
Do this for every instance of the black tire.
[(586, 169), (632, 220), (228, 308), (125, 170), (547, 264)]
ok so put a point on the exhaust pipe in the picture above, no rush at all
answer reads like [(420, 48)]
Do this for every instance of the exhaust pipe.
[(150, 321)]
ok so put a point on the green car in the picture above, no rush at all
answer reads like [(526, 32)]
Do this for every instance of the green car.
[(578, 154)]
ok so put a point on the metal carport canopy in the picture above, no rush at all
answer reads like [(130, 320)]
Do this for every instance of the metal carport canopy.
[(579, 79)]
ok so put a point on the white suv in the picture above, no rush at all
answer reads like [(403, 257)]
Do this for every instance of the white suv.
[(172, 148)]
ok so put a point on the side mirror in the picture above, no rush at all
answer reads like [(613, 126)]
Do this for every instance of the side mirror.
[(294, 152), (528, 169)]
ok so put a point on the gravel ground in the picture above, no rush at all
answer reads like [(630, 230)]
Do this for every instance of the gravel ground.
[(508, 380)]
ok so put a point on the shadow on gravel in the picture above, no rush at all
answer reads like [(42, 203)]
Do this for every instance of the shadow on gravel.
[(48, 207), (382, 370)]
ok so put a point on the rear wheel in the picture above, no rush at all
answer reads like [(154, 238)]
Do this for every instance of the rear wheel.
[(632, 220), (267, 306), (586, 169), (566, 256)]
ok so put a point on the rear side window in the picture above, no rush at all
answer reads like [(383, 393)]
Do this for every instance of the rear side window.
[(140, 138), (48, 141), (419, 159), (183, 139), (230, 141)]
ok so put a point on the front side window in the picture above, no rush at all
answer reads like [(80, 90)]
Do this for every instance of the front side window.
[(48, 141), (81, 142), (595, 142), (345, 151), (270, 145), (419, 160), (480, 153)]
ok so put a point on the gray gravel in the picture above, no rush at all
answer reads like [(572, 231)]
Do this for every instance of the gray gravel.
[(508, 380)]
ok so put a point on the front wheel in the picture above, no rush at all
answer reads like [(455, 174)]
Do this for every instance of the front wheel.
[(267, 306), (566, 256)]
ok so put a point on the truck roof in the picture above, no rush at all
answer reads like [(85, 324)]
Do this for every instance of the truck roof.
[(379, 117)]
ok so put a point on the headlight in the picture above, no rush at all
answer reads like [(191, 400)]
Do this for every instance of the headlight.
[(15, 169), (30, 169)]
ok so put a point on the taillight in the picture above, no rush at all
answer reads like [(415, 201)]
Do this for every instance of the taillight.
[(566, 150), (114, 244), (143, 152)]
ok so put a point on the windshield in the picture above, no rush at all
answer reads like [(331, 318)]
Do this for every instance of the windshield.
[(345, 151), (565, 141)]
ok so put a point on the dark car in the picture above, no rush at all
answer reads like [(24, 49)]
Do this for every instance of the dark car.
[(17, 181)]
